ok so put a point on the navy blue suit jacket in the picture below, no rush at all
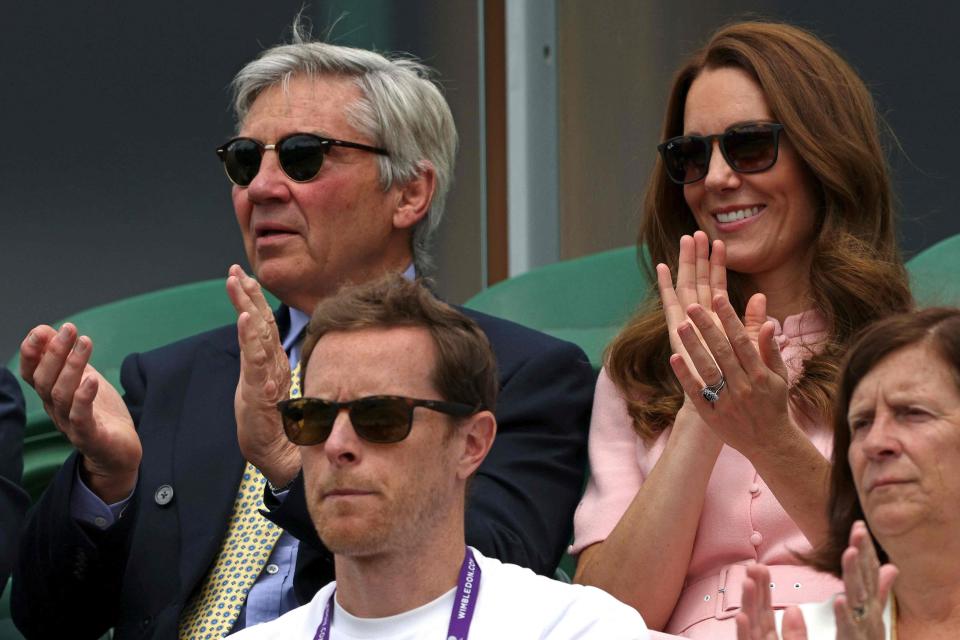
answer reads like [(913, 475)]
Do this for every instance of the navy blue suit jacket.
[(13, 500), (137, 575)]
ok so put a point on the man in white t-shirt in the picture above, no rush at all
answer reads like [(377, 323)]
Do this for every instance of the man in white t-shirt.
[(396, 416)]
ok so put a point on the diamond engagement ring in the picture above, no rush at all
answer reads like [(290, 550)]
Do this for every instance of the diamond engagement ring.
[(711, 392)]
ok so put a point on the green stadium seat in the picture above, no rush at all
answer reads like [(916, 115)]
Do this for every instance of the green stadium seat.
[(7, 629), (119, 328), (585, 300), (933, 274)]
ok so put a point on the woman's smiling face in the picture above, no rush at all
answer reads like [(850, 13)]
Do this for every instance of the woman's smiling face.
[(767, 220)]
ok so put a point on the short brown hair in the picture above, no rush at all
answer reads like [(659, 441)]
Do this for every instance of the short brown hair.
[(856, 276), (938, 328), (465, 370)]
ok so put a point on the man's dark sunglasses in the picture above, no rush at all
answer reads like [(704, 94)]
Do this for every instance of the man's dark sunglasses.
[(748, 148), (301, 156), (380, 419)]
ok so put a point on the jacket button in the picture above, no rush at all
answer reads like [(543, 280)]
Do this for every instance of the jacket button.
[(163, 495), (756, 539)]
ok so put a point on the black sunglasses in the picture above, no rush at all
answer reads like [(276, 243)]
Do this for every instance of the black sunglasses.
[(301, 156), (380, 419), (748, 148)]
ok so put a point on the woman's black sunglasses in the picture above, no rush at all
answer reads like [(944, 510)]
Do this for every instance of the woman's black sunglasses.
[(380, 419), (301, 156), (748, 148)]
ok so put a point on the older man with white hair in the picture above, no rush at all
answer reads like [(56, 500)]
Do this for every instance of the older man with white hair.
[(340, 166)]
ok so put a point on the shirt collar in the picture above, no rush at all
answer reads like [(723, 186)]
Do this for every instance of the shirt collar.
[(809, 323), (299, 321)]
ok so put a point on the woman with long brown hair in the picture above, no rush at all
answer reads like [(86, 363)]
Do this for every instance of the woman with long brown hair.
[(770, 220)]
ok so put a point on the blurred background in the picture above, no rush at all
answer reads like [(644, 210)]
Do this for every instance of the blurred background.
[(113, 109)]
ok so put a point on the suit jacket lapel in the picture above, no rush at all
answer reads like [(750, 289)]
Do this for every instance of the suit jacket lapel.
[(208, 463)]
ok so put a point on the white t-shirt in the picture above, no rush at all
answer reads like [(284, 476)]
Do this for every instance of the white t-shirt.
[(821, 623), (513, 603)]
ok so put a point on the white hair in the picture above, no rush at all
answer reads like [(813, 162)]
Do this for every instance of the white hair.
[(401, 110)]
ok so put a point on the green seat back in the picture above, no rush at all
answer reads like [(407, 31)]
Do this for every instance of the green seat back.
[(585, 300), (933, 274), (7, 629), (117, 329)]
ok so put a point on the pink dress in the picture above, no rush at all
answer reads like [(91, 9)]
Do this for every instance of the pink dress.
[(742, 522)]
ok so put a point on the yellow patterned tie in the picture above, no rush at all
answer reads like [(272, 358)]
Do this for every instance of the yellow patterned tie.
[(250, 537)]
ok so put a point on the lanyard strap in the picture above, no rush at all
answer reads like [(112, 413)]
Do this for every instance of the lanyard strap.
[(464, 603)]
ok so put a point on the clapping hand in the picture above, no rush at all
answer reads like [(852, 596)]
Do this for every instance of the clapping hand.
[(85, 407), (859, 610), (712, 347), (750, 406), (701, 275), (264, 381), (756, 620)]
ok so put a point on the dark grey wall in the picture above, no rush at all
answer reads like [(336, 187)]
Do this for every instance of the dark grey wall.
[(111, 112), (110, 183), (617, 59), (907, 53)]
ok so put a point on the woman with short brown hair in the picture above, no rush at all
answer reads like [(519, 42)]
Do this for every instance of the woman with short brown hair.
[(897, 466)]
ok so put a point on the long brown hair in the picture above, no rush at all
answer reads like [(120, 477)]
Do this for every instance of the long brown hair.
[(938, 328), (856, 275)]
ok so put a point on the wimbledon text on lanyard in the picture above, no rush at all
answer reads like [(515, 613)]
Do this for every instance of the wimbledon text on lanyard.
[(463, 604)]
